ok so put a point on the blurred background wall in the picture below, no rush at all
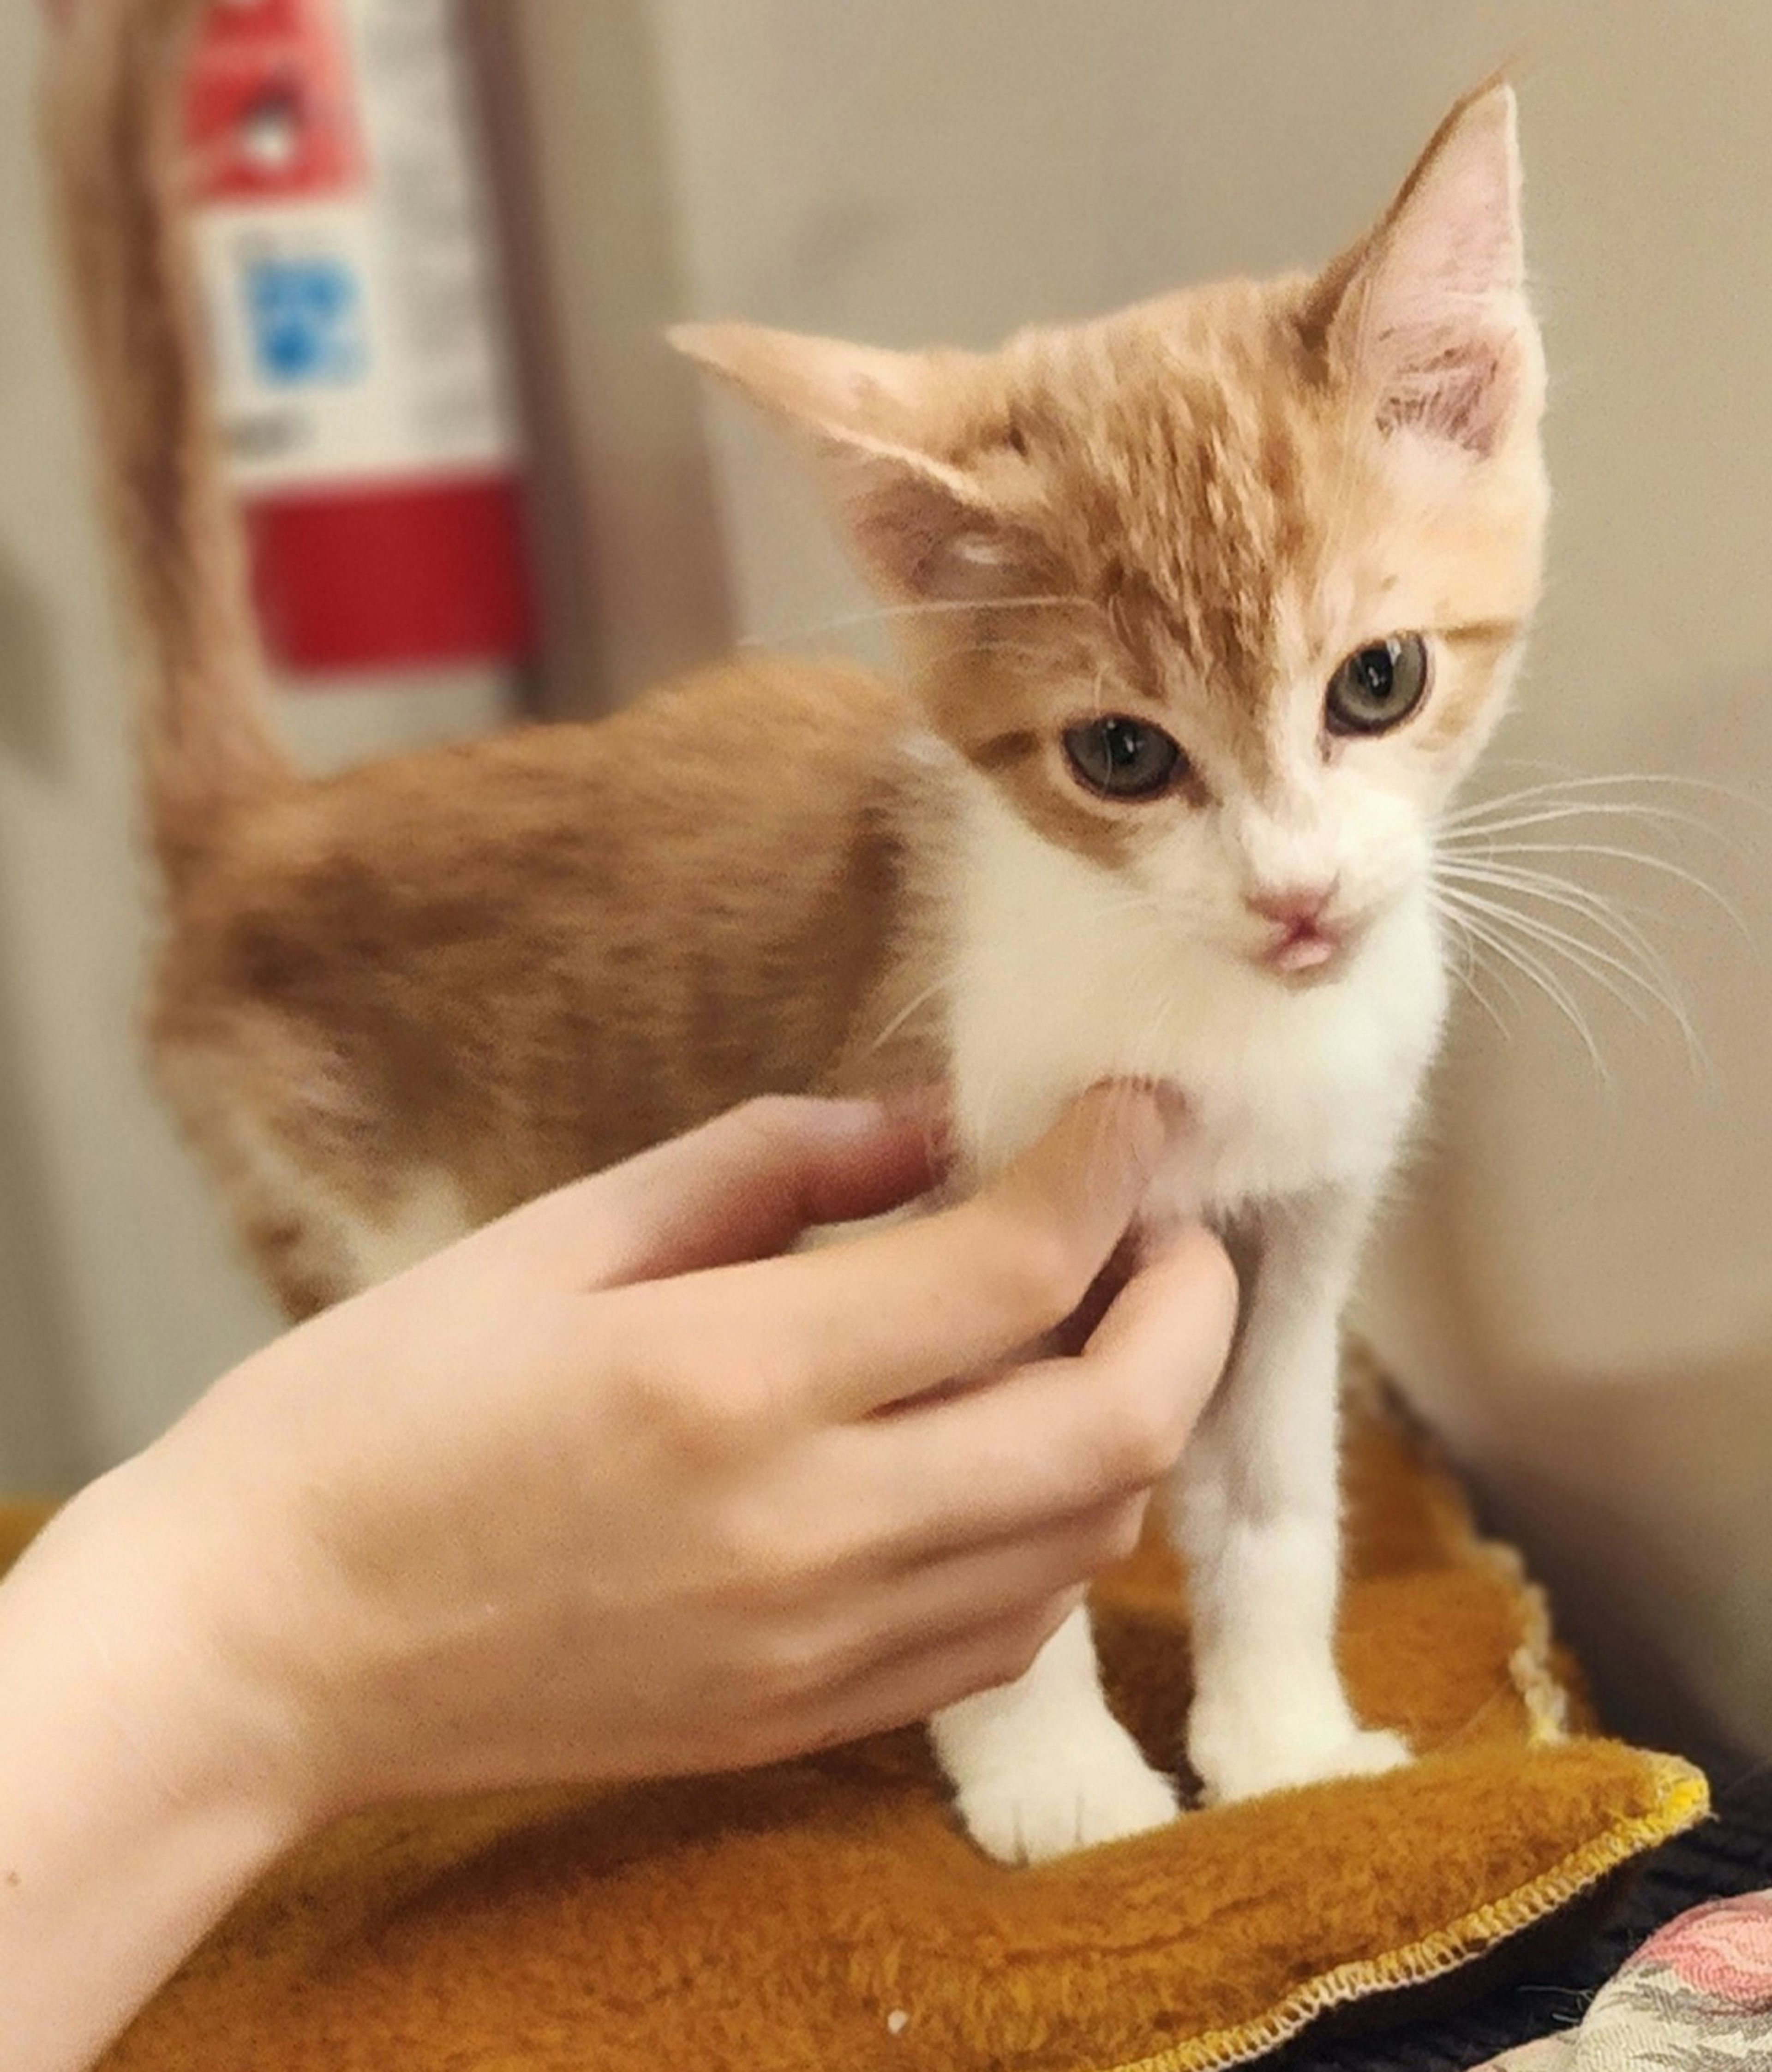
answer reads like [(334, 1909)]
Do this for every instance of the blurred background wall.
[(1578, 1281)]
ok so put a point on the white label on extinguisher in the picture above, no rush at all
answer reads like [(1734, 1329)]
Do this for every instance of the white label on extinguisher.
[(355, 330)]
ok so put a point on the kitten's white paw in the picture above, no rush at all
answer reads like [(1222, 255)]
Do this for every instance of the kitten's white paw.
[(1234, 1758), (1053, 1803)]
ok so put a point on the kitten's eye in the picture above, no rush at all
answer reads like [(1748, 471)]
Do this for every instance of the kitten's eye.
[(1378, 687), (1124, 759)]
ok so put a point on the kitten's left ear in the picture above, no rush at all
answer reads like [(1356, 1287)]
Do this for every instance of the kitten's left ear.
[(1427, 318), (921, 527)]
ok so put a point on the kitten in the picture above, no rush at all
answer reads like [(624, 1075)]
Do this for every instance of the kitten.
[(1210, 605)]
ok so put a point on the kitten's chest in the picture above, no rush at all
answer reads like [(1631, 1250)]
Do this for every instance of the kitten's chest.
[(1288, 1092)]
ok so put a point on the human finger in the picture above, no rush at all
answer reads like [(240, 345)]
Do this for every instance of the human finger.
[(1056, 1437), (907, 1685), (741, 1187), (1000, 1577), (901, 1311)]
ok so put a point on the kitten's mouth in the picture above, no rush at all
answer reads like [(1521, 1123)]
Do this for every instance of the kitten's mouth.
[(1305, 951)]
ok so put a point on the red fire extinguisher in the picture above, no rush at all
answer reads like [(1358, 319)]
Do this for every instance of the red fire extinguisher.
[(362, 373)]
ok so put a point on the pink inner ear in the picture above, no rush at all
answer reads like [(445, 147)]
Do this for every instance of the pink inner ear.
[(923, 533), (1435, 320), (1463, 389)]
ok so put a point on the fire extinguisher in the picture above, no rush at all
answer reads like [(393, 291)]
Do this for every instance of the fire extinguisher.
[(344, 242)]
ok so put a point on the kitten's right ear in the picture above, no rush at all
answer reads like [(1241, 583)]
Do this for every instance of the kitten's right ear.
[(923, 527)]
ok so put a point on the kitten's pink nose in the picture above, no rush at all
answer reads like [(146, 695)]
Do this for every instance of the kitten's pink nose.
[(1294, 907)]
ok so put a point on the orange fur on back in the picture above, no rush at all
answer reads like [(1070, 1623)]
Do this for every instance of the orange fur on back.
[(500, 966)]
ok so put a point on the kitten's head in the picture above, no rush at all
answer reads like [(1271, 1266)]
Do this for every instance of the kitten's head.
[(1222, 592)]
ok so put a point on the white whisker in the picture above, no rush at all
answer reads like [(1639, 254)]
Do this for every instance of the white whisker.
[(1461, 830), (1642, 861), (1575, 781), (1599, 965), (1465, 972), (1532, 967), (904, 1014), (1654, 977), (1558, 891)]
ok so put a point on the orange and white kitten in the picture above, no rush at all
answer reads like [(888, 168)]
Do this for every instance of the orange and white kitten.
[(1210, 605)]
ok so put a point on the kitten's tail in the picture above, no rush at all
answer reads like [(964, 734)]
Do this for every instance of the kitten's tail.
[(113, 111)]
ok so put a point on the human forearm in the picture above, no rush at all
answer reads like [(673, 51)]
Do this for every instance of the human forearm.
[(137, 1798)]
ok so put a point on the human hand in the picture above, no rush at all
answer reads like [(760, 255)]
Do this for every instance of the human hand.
[(583, 1498), (607, 1489)]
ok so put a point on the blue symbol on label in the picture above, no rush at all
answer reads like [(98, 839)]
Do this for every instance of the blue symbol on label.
[(306, 320)]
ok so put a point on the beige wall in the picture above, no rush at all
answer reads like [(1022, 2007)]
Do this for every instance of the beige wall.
[(1581, 1285)]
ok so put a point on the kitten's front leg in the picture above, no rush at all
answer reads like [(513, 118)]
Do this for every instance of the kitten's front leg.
[(1256, 1507), (1041, 1766)]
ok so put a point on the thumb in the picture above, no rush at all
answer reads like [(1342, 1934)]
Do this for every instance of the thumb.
[(1080, 1184)]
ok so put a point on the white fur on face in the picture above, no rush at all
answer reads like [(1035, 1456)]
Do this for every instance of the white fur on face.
[(1335, 826), (1063, 974)]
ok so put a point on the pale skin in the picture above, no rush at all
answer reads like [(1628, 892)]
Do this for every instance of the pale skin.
[(615, 1488)]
